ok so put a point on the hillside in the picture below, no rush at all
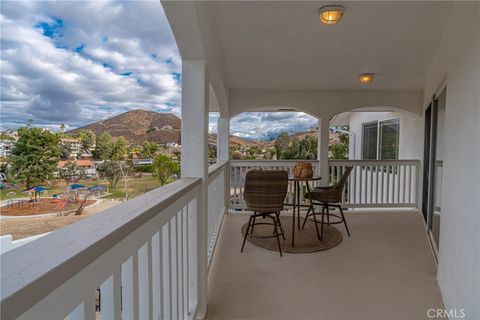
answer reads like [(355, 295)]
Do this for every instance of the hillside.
[(137, 126), (235, 141)]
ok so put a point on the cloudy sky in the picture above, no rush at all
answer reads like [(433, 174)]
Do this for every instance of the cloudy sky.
[(76, 62)]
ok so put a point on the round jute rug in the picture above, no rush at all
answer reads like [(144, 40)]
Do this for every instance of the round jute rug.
[(306, 240)]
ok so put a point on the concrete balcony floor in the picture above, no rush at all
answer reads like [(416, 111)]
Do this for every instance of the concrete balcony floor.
[(384, 271)]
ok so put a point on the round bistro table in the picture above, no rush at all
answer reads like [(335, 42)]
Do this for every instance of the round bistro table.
[(296, 199)]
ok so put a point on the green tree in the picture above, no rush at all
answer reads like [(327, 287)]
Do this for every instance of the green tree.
[(338, 148), (281, 145), (119, 149), (111, 171), (103, 148), (35, 156), (148, 149), (164, 168), (66, 151), (71, 172), (253, 153), (212, 151), (86, 138)]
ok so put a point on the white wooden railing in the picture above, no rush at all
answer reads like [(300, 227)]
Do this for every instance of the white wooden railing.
[(217, 203), (378, 183), (375, 183), (137, 260)]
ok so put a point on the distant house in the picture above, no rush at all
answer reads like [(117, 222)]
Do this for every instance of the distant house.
[(85, 165), (142, 162), (6, 147), (74, 145), (172, 145)]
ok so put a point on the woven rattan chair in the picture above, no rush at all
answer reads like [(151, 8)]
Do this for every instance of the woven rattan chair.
[(264, 193), (328, 197)]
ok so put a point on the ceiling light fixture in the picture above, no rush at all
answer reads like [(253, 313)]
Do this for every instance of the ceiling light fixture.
[(331, 14), (366, 77)]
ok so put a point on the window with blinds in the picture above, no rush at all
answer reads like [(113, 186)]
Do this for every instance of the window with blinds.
[(370, 139), (389, 137), (381, 140)]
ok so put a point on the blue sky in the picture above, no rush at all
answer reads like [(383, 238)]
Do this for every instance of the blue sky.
[(76, 62)]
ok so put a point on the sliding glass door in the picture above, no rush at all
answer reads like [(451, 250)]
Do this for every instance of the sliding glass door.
[(433, 165)]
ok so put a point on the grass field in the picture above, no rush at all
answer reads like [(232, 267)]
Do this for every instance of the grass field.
[(136, 186)]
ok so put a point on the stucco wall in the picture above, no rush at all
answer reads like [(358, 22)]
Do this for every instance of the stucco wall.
[(458, 61), (411, 133)]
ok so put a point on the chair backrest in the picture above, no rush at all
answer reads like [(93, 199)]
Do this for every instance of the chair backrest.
[(265, 190), (334, 193)]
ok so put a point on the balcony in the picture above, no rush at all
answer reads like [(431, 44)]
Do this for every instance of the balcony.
[(144, 257)]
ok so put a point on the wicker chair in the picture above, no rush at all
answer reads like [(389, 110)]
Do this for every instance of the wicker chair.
[(328, 197), (264, 193)]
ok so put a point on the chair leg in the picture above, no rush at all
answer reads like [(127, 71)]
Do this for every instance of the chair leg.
[(253, 223), (344, 221), (277, 214), (246, 233), (323, 219), (308, 213), (328, 215), (316, 225), (277, 236)]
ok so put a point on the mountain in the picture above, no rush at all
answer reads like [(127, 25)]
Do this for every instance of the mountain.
[(137, 126), (235, 141)]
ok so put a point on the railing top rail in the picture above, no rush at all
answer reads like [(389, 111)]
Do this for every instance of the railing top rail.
[(251, 162), (32, 271), (375, 162), (216, 168)]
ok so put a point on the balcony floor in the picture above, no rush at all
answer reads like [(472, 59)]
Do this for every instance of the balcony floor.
[(384, 271)]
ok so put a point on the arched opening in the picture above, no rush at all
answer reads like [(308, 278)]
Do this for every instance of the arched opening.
[(270, 135)]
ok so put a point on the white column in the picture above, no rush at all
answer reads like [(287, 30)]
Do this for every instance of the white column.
[(223, 143), (223, 134), (195, 157), (322, 156)]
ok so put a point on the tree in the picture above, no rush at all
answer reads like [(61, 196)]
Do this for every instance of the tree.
[(111, 171), (86, 138), (103, 149), (164, 168), (35, 156), (281, 145), (66, 151), (119, 149), (338, 148), (71, 172), (212, 151), (148, 149)]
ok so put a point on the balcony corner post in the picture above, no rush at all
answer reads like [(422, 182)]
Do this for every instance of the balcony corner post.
[(322, 149), (223, 143), (195, 104)]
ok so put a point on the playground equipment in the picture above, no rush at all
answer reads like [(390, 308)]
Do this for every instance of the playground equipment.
[(24, 204)]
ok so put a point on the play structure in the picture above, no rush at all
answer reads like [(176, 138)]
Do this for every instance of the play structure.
[(73, 200)]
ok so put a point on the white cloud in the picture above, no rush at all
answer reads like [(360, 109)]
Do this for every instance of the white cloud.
[(64, 61), (76, 62)]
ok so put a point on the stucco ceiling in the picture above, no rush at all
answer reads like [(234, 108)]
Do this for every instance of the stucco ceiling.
[(283, 45)]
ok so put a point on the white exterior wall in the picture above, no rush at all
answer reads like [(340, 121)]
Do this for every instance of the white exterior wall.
[(458, 61), (411, 133)]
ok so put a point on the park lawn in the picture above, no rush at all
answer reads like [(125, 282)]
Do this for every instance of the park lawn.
[(136, 187)]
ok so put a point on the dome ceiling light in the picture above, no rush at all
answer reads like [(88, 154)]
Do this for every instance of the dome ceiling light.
[(331, 14), (366, 77)]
